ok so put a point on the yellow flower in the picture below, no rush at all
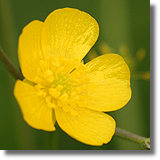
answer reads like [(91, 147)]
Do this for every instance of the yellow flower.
[(58, 86)]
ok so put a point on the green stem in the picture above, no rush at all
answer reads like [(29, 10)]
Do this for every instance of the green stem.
[(144, 142), (9, 65)]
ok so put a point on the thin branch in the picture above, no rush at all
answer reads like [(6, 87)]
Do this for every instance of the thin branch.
[(144, 142), (9, 65)]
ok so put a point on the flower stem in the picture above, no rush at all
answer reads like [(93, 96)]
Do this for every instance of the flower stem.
[(144, 142), (9, 65)]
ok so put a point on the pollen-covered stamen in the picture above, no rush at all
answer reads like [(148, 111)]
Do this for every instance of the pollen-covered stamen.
[(41, 90), (54, 93), (63, 83), (48, 75)]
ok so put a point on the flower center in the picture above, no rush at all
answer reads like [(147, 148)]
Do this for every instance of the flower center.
[(63, 83)]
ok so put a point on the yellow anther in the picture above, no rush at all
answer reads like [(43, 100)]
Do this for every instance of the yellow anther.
[(54, 93), (63, 98), (74, 97), (48, 75), (73, 94), (59, 87), (40, 90), (48, 99), (63, 83), (41, 93), (50, 102)]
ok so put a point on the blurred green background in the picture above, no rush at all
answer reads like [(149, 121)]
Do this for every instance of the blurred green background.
[(121, 22)]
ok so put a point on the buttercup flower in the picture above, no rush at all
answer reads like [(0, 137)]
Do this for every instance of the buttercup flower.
[(58, 86)]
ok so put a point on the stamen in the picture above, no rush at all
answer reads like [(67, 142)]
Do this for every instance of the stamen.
[(54, 93), (50, 102), (64, 83), (59, 87), (48, 75), (63, 98)]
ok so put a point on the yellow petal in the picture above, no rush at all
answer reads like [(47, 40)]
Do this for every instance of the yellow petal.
[(34, 108), (89, 127), (111, 77), (29, 49), (69, 32)]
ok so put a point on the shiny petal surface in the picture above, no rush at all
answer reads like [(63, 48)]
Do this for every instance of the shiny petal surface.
[(29, 49), (69, 32), (34, 109), (111, 77), (89, 127)]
